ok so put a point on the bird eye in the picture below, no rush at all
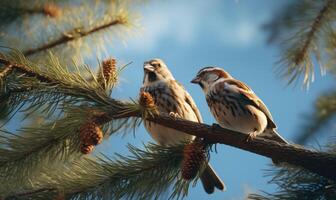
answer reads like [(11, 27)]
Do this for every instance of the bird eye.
[(156, 65)]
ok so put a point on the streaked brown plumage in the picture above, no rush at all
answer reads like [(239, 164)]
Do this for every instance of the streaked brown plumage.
[(171, 97), (235, 106)]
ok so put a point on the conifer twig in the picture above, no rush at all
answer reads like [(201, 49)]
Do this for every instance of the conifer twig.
[(75, 34), (299, 57), (30, 193), (24, 69), (8, 69), (318, 162)]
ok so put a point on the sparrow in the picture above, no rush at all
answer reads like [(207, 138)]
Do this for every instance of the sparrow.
[(235, 106), (171, 97)]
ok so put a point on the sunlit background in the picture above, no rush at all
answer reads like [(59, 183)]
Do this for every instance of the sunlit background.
[(190, 35)]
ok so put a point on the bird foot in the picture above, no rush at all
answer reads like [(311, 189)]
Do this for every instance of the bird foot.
[(214, 126), (174, 115), (251, 136)]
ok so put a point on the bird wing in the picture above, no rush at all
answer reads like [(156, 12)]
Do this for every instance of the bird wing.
[(192, 104), (189, 100), (249, 97)]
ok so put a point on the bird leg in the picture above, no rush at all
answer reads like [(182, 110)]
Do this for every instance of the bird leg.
[(214, 126), (174, 115), (251, 136)]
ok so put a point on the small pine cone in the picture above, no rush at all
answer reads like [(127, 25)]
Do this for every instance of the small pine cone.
[(101, 117), (86, 149), (52, 10), (108, 72), (90, 133), (194, 155), (146, 100), (60, 196), (109, 68)]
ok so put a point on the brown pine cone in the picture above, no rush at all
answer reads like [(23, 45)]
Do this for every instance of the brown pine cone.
[(194, 155), (52, 10), (60, 196), (108, 72), (146, 100), (90, 133), (86, 149)]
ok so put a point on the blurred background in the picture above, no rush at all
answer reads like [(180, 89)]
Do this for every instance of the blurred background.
[(227, 34), (239, 36)]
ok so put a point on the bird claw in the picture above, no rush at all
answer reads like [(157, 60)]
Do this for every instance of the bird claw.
[(174, 115), (251, 137), (215, 126)]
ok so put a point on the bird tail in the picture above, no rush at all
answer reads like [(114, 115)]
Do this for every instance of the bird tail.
[(272, 134), (210, 180)]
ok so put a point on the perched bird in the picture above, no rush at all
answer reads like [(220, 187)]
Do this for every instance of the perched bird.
[(170, 97), (235, 106)]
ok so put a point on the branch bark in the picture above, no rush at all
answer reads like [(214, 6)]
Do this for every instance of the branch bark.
[(321, 163), (299, 57), (75, 34)]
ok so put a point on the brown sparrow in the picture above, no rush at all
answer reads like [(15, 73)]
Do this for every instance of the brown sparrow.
[(170, 97), (235, 106)]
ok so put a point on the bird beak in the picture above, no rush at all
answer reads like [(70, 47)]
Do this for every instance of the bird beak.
[(196, 80), (148, 67)]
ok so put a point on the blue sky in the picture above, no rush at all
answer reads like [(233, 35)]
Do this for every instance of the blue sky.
[(228, 34)]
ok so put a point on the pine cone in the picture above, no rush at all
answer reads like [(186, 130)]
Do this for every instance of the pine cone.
[(51, 10), (90, 135), (86, 149), (108, 72), (194, 155), (146, 100), (60, 196)]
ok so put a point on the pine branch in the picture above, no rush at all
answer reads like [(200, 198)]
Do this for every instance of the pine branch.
[(148, 173), (30, 194), (316, 25), (309, 24), (75, 34), (47, 88), (8, 69), (77, 29), (50, 84), (317, 162), (23, 154), (12, 10), (325, 110), (298, 184), (23, 69), (314, 161)]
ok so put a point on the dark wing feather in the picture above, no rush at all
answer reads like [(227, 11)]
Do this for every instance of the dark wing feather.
[(249, 97), (192, 104), (188, 99)]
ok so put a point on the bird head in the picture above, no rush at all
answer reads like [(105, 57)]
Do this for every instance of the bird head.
[(207, 76), (156, 70)]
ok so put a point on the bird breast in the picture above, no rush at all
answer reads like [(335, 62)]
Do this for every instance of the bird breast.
[(169, 97), (234, 115)]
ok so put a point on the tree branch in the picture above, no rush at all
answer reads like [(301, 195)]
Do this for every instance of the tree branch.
[(30, 193), (318, 162), (23, 69), (75, 34), (299, 57), (321, 163)]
